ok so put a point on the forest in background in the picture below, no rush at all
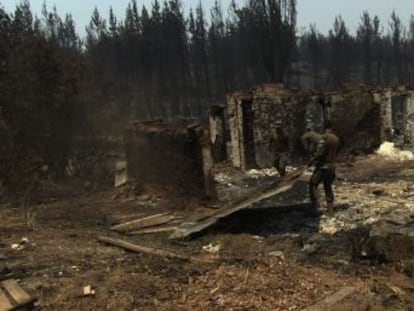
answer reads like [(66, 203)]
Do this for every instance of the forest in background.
[(158, 62)]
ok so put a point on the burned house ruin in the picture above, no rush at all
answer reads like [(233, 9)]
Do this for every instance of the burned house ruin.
[(182, 158), (175, 159), (363, 118)]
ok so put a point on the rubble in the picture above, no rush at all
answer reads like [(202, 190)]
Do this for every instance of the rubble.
[(277, 254), (270, 230), (88, 291), (278, 187), (373, 115), (24, 243), (177, 160), (212, 249), (249, 256), (389, 151)]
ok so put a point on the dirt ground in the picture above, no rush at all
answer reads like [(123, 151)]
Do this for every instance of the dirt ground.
[(253, 270)]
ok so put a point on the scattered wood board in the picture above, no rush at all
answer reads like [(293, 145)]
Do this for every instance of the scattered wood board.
[(329, 302), (159, 229), (117, 219), (19, 297), (145, 222), (140, 248), (5, 304), (190, 227), (121, 174)]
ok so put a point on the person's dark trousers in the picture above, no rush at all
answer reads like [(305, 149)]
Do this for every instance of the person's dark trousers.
[(326, 175)]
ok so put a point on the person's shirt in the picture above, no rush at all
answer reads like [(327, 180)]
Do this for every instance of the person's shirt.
[(310, 141), (326, 150)]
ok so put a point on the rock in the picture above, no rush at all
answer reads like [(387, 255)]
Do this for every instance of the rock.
[(212, 249), (400, 220), (17, 247), (390, 243), (88, 291), (310, 249), (328, 226), (277, 254), (406, 230)]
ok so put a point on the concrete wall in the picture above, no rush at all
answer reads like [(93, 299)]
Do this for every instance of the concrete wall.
[(178, 160)]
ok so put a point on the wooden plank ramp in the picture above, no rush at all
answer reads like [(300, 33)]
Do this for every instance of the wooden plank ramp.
[(187, 228)]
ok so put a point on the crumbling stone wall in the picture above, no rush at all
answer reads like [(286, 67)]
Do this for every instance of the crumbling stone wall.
[(176, 159), (236, 121), (410, 117), (363, 118), (273, 106), (315, 111), (216, 120), (402, 117), (254, 116), (383, 99), (397, 114), (356, 118)]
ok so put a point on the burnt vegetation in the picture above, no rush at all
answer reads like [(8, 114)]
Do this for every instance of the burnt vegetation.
[(58, 86)]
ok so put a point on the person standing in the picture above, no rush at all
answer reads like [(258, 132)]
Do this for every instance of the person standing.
[(323, 157)]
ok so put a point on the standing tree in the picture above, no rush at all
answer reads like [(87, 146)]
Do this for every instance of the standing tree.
[(314, 53), (339, 43), (365, 37), (396, 39)]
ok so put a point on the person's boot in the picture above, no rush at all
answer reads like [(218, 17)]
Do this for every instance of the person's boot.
[(330, 207)]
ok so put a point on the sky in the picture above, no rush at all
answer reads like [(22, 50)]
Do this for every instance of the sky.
[(319, 12)]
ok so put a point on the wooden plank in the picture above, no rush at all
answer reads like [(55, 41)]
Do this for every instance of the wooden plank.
[(148, 221), (16, 292), (153, 230), (140, 248), (189, 228), (117, 219), (5, 304), (329, 302), (121, 175)]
